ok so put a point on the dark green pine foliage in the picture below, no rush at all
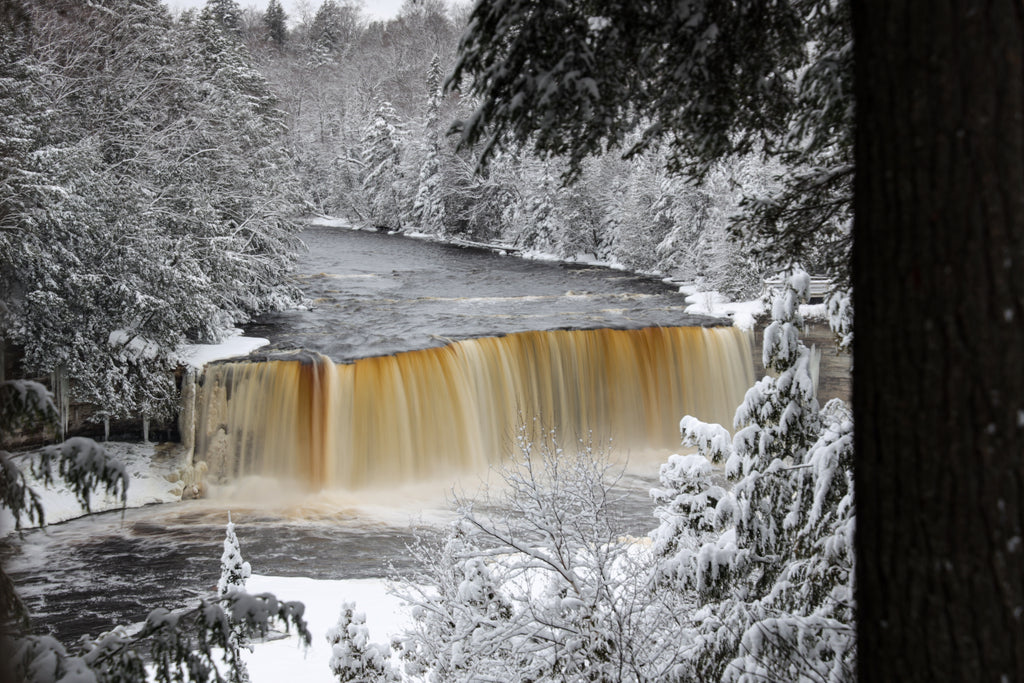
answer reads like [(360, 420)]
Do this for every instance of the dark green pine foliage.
[(552, 74), (274, 19), (333, 26), (227, 13), (811, 213)]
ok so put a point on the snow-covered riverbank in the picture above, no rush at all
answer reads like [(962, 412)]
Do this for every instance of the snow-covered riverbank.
[(286, 660), (155, 474)]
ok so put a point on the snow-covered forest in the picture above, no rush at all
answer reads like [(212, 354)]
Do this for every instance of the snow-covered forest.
[(183, 148), (370, 118), (147, 194), (156, 170)]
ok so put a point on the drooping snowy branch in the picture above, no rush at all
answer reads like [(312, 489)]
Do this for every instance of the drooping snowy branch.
[(772, 563)]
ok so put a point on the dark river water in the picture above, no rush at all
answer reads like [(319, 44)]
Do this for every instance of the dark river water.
[(372, 294), (376, 294), (83, 576)]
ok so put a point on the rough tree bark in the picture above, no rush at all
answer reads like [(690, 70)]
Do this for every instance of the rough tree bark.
[(939, 360)]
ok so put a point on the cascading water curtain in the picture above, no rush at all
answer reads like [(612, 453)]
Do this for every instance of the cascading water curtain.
[(436, 412)]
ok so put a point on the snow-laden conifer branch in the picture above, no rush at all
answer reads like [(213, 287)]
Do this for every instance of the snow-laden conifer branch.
[(115, 138), (771, 560), (171, 647), (353, 657), (81, 463)]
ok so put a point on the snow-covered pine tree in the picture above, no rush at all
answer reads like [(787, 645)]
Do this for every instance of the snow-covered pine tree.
[(233, 569), (677, 207), (541, 222), (806, 625), (839, 307), (169, 147), (354, 659), (381, 157), (636, 221), (688, 509), (435, 78), (726, 261), (776, 425), (334, 26), (428, 206), (774, 580), (233, 574), (226, 13), (275, 22)]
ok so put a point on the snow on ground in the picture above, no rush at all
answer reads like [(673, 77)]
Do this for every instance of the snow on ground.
[(742, 313), (150, 467), (286, 660), (714, 303), (387, 615), (198, 355), (331, 222)]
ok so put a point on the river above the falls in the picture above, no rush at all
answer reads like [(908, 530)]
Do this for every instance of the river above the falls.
[(375, 294)]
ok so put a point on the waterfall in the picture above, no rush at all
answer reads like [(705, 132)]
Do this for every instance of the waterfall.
[(441, 411)]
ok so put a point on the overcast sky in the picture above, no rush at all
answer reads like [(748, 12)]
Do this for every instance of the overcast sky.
[(375, 9)]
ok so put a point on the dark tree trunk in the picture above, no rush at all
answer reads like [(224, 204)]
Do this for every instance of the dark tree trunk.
[(939, 360)]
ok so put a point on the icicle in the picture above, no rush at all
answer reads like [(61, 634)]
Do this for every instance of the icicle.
[(187, 414), (106, 428), (814, 367), (145, 429), (62, 398)]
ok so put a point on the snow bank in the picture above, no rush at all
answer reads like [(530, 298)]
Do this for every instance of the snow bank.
[(717, 304), (150, 468), (331, 222), (198, 355), (285, 660), (742, 313)]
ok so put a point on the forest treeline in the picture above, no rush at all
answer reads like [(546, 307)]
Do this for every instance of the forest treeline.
[(153, 167), (146, 193), (369, 126)]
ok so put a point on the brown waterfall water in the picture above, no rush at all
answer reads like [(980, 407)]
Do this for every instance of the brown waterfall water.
[(437, 412)]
